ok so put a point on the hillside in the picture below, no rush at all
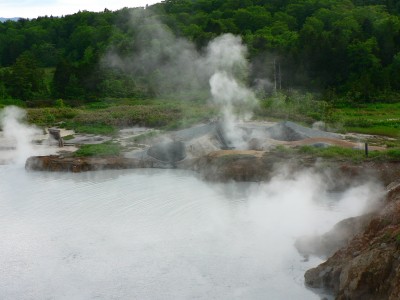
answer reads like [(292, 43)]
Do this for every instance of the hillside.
[(345, 48)]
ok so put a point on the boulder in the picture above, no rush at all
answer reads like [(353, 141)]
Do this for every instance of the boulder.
[(368, 267), (170, 152), (327, 244)]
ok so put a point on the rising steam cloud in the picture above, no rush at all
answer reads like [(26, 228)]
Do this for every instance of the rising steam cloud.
[(17, 133), (177, 68), (236, 102)]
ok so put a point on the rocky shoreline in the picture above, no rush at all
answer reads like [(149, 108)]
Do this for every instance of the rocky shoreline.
[(368, 266)]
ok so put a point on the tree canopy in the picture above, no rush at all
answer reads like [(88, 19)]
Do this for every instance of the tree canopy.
[(350, 47)]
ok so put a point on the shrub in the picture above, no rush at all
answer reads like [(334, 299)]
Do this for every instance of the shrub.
[(11, 101)]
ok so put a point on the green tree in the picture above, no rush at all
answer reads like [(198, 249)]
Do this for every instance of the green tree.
[(27, 78)]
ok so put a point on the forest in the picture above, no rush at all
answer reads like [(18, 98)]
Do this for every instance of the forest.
[(340, 49)]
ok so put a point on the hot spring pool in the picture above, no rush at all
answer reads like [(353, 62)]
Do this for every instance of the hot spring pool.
[(159, 234)]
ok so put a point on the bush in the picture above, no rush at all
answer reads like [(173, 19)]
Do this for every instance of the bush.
[(11, 101), (50, 115), (297, 107)]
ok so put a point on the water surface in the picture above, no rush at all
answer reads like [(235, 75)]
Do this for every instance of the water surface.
[(156, 234)]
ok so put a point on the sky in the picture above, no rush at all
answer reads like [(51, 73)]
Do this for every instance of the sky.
[(36, 8)]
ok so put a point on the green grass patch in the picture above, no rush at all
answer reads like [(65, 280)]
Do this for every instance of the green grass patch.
[(394, 153), (334, 152), (99, 150), (368, 118), (155, 113), (376, 130), (230, 158), (372, 118), (106, 115), (68, 137), (300, 107)]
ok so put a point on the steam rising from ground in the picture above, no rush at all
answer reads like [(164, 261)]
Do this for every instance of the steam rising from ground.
[(17, 133), (236, 102), (177, 68)]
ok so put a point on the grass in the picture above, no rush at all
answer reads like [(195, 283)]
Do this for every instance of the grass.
[(99, 150), (295, 106), (372, 118), (368, 118), (96, 128), (68, 137), (333, 152), (106, 116), (393, 154)]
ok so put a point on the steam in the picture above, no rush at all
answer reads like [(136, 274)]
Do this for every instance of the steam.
[(17, 133), (63, 235), (175, 68), (236, 102), (170, 65)]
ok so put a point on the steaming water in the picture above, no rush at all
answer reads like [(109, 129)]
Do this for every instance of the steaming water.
[(155, 234)]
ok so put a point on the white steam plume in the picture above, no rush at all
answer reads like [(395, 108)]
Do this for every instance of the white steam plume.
[(227, 55), (177, 68), (17, 133)]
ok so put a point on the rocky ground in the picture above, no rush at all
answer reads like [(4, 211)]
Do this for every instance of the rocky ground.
[(368, 265)]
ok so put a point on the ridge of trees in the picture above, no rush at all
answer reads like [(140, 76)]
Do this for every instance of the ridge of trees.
[(341, 47)]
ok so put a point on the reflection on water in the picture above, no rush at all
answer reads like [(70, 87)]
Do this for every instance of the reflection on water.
[(156, 234)]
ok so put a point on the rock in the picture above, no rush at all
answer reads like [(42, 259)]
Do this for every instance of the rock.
[(289, 131), (363, 277), (170, 152), (366, 268), (56, 163), (238, 165), (327, 244)]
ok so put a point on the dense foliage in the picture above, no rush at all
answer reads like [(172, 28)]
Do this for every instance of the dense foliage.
[(347, 48)]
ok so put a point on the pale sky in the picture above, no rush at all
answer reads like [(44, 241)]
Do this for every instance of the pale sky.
[(36, 8)]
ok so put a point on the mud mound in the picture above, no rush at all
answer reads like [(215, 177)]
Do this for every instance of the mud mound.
[(289, 131), (194, 132), (168, 152)]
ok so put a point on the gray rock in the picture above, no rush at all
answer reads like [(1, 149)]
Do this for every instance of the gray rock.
[(289, 131), (168, 152)]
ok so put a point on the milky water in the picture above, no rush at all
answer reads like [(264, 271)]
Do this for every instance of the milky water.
[(156, 234)]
